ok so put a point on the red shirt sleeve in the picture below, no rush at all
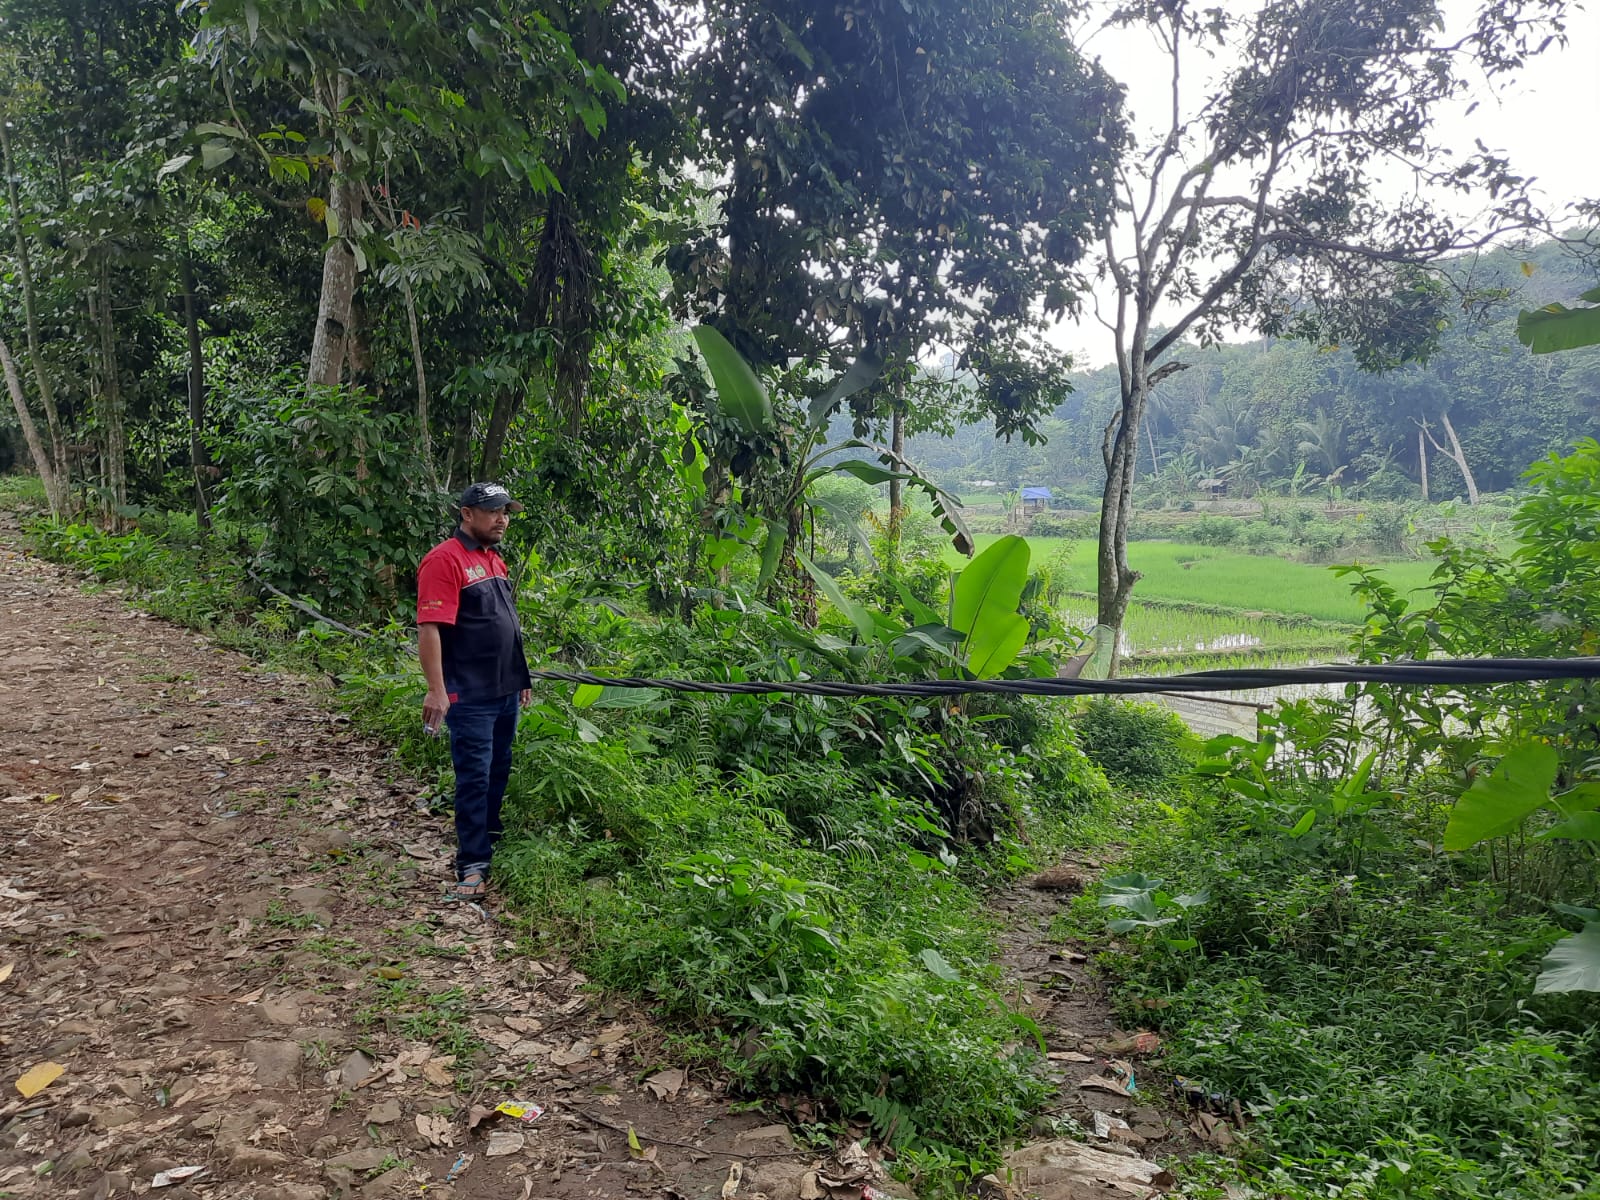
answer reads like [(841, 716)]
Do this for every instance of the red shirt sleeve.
[(438, 589)]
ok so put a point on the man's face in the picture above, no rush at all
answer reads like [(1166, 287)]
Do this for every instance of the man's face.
[(485, 525)]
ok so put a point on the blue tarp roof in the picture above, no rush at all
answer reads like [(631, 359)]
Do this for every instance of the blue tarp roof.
[(1036, 493)]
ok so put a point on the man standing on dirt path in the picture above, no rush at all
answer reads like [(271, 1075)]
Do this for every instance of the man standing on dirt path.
[(470, 643)]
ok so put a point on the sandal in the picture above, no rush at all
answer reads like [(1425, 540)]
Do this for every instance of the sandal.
[(474, 885)]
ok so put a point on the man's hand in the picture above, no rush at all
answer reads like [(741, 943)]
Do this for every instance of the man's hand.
[(527, 697), (434, 707)]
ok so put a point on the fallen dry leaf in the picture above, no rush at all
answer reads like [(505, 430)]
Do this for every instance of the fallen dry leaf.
[(665, 1085), (731, 1185), (1071, 1056), (436, 1070), (38, 1077), (571, 1058), (249, 997), (503, 1142), (5, 971), (436, 1129), (1099, 1083)]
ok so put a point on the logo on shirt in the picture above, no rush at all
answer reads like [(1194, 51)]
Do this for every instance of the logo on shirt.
[(476, 573)]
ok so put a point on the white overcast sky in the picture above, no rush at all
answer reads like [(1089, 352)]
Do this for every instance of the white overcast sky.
[(1543, 121)]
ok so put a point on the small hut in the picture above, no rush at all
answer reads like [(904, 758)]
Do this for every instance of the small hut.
[(1035, 500), (1213, 488)]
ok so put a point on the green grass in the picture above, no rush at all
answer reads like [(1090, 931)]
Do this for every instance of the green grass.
[(1217, 576), (1375, 1025)]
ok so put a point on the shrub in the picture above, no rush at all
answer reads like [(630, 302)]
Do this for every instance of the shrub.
[(1261, 537), (1058, 524), (1214, 531), (1137, 745)]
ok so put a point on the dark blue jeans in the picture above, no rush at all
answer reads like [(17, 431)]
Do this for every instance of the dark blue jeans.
[(481, 733)]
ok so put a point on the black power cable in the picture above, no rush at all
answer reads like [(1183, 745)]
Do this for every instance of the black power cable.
[(1451, 672)]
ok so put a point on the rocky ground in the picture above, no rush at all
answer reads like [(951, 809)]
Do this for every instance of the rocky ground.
[(227, 969)]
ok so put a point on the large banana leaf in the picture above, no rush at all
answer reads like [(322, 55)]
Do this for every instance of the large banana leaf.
[(739, 393), (863, 373), (984, 609), (856, 613), (772, 551), (946, 507), (1557, 327)]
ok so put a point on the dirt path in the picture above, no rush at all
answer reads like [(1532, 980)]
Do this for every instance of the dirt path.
[(220, 915), (221, 919)]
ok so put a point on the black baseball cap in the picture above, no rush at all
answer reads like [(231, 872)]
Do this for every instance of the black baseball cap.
[(488, 495)]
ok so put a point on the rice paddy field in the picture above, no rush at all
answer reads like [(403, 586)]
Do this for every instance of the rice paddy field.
[(1210, 575), (1206, 606)]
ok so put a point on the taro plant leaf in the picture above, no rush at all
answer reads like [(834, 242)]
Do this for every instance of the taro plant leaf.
[(739, 392), (1557, 327), (1192, 899), (1580, 827), (1127, 924), (1128, 884), (1497, 803), (855, 613), (1573, 964), (772, 551), (1576, 910), (586, 694), (936, 963), (863, 373)]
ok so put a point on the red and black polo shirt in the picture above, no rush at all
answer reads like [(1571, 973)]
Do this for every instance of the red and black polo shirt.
[(463, 588)]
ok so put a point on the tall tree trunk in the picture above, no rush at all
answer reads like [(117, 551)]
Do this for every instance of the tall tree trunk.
[(1119, 450), (897, 487), (1460, 457), (113, 432), (460, 451), (1456, 455), (424, 436), (328, 341), (1422, 462), (30, 433), (30, 312), (494, 438), (199, 458)]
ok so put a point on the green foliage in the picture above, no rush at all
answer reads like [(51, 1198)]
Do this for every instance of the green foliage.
[(1138, 745), (1557, 327), (1376, 1028), (339, 497)]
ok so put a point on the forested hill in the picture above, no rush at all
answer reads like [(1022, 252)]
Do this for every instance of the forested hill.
[(1284, 414)]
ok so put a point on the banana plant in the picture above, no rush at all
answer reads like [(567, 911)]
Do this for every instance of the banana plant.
[(980, 635), (744, 401)]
